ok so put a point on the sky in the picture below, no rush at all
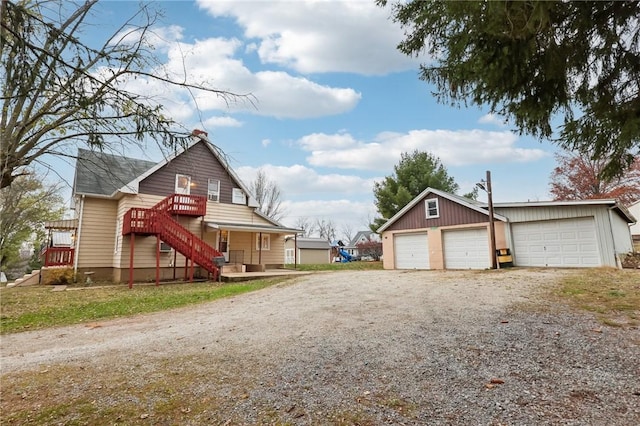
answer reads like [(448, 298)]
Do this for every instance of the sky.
[(334, 104)]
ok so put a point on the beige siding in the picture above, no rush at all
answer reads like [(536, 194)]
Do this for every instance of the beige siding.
[(232, 213), (436, 253), (121, 252), (117, 253), (313, 256), (97, 237), (145, 246), (246, 241)]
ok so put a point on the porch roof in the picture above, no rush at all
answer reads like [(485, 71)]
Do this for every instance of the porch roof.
[(249, 227), (61, 224)]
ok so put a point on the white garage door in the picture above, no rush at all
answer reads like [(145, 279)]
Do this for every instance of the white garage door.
[(562, 243), (412, 251), (466, 249)]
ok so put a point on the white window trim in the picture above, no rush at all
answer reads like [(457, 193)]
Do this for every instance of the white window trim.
[(236, 194), (265, 238), (210, 193), (116, 249), (178, 189), (426, 208)]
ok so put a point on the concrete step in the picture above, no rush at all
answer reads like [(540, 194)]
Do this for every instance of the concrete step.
[(28, 279)]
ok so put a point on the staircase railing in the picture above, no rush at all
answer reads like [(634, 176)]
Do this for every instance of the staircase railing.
[(157, 221), (188, 205), (187, 243), (59, 256)]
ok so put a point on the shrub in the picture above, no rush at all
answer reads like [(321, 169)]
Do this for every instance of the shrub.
[(57, 276)]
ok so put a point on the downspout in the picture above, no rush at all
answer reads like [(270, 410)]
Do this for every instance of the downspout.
[(79, 233)]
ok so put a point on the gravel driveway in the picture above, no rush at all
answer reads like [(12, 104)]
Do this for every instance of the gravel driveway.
[(366, 347)]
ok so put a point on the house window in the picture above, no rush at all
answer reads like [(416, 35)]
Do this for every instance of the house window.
[(264, 243), (238, 196), (431, 206), (183, 184), (213, 190)]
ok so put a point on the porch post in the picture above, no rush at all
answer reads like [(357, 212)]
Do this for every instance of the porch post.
[(131, 250), (192, 262), (260, 249), (157, 260)]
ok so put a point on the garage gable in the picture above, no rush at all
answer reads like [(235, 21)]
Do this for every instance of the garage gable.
[(450, 210)]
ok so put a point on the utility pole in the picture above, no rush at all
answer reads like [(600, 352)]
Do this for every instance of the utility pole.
[(492, 227)]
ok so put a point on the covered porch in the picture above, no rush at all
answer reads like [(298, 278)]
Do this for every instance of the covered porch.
[(248, 248), (60, 247)]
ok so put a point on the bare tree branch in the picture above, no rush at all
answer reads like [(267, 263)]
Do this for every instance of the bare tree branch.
[(59, 92)]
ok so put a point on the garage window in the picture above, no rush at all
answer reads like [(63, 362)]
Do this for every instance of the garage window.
[(431, 207)]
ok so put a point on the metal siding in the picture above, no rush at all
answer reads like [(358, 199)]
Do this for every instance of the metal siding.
[(197, 162), (450, 214), (599, 213), (635, 212), (569, 242), (621, 234)]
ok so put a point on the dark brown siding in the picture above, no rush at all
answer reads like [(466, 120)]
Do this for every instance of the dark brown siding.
[(450, 214), (199, 163)]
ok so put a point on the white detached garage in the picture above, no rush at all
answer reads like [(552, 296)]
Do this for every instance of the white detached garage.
[(560, 242), (580, 234), (438, 230)]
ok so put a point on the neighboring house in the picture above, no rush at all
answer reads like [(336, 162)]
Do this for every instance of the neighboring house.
[(309, 251), (359, 238), (634, 209), (139, 221), (438, 230)]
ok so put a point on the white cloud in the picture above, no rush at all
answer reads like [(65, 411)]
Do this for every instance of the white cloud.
[(298, 180), (266, 142), (218, 122), (493, 119), (454, 148), (320, 36), (322, 141), (212, 63)]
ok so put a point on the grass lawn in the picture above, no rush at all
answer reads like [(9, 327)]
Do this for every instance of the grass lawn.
[(37, 307), (612, 294)]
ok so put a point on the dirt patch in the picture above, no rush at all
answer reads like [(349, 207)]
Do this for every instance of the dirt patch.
[(366, 347)]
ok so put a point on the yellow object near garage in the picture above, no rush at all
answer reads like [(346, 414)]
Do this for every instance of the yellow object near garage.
[(505, 259)]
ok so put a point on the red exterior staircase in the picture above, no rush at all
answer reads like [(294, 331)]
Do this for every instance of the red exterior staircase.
[(158, 221)]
